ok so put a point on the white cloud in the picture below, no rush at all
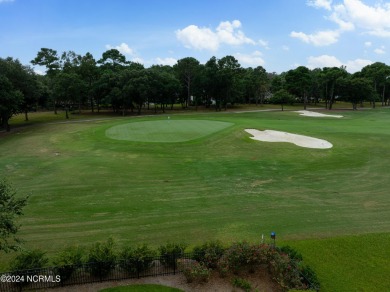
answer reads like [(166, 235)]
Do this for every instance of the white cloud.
[(123, 48), (368, 44), (263, 43), (331, 61), (357, 65), (228, 33), (253, 60), (349, 15), (138, 60), (343, 24), (374, 20), (321, 38), (323, 61), (200, 38), (380, 51), (326, 4), (37, 71), (3, 1), (166, 61)]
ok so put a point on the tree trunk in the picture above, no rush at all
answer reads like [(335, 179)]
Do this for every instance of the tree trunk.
[(304, 100), (383, 95), (92, 105), (26, 115), (5, 123)]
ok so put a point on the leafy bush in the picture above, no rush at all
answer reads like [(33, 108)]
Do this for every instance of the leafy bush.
[(309, 277), (284, 271), (170, 252), (242, 283), (28, 263), (68, 261), (243, 256), (209, 253), (29, 260), (137, 260), (292, 253), (235, 258), (101, 258), (194, 271)]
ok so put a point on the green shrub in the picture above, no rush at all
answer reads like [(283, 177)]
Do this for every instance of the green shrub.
[(284, 271), (170, 252), (242, 283), (309, 277), (236, 257), (68, 261), (137, 260), (194, 271), (209, 253), (101, 258), (243, 256), (29, 260), (292, 253), (28, 263)]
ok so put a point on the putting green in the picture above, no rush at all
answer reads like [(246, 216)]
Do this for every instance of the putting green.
[(165, 130)]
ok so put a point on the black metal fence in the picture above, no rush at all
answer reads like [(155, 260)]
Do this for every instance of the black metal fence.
[(89, 273), (99, 272)]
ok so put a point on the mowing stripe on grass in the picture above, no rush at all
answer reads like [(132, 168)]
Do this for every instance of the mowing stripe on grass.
[(166, 130)]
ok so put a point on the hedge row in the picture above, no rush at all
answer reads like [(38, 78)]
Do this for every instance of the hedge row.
[(284, 264)]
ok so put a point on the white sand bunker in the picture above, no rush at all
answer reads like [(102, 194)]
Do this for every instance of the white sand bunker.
[(317, 115), (299, 140)]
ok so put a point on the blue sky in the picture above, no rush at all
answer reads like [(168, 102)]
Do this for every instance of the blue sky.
[(278, 35)]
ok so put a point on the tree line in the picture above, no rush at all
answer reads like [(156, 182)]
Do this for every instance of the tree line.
[(73, 82)]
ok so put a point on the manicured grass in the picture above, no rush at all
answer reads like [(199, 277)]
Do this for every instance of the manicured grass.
[(86, 186), (165, 130), (142, 288), (349, 263)]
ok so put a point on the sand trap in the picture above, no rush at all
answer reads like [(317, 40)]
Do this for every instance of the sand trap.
[(317, 115), (299, 140)]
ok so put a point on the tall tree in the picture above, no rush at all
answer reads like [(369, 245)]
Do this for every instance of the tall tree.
[(10, 101), (228, 72), (378, 73), (69, 90), (298, 82), (187, 70), (258, 83), (49, 58), (332, 77), (168, 86), (23, 78), (18, 89), (282, 97), (113, 59), (89, 72), (355, 89), (10, 208)]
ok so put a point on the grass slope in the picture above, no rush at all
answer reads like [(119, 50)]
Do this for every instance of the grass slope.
[(165, 130), (349, 263), (85, 186)]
